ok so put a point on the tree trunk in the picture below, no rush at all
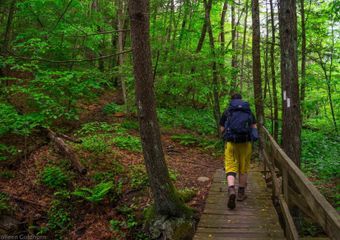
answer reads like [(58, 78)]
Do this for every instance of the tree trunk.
[(266, 74), (7, 35), (291, 120), (257, 66), (186, 6), (216, 103), (166, 200), (244, 45), (120, 47), (233, 46), (272, 65), (303, 51), (101, 65), (222, 37)]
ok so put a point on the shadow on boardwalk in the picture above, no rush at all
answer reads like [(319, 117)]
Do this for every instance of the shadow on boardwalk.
[(253, 218)]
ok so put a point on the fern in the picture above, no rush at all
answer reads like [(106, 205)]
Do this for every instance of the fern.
[(95, 194)]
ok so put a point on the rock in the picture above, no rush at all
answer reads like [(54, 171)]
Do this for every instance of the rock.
[(203, 179), (173, 228)]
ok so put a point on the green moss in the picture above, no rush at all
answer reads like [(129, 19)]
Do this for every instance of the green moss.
[(186, 194)]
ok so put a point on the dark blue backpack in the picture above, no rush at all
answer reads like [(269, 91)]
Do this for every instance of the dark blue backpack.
[(238, 123)]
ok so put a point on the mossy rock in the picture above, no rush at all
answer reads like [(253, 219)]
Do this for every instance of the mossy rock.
[(172, 228)]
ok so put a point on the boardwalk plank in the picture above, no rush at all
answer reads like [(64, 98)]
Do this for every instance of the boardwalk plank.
[(254, 218)]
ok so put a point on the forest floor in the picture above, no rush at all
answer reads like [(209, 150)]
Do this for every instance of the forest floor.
[(120, 215)]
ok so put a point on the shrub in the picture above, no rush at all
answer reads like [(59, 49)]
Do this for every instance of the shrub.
[(54, 177)]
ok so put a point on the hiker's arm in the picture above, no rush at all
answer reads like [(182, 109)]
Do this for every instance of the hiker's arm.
[(254, 125), (221, 129)]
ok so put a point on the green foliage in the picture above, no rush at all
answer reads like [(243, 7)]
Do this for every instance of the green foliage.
[(138, 176), (5, 207), (7, 150), (185, 139), (94, 127), (128, 142), (6, 174), (59, 218), (129, 124), (96, 143), (54, 177), (173, 174), (128, 212), (112, 108), (96, 194), (197, 120), (319, 152)]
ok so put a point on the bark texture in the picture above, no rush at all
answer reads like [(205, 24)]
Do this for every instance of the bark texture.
[(257, 62), (291, 119), (165, 198)]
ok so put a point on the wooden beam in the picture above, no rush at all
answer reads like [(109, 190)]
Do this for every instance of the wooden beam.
[(291, 232)]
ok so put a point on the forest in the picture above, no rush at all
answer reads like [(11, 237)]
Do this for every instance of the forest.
[(109, 109)]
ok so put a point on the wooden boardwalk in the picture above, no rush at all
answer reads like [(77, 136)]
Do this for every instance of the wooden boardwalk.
[(254, 218)]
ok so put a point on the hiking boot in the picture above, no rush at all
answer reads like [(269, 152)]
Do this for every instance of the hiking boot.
[(241, 195), (232, 197)]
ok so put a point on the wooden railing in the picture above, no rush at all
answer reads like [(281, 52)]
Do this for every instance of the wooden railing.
[(290, 187)]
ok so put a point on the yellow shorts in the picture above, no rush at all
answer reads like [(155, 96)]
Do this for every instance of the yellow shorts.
[(237, 157)]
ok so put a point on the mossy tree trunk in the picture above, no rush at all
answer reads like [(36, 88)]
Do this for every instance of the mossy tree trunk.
[(165, 198)]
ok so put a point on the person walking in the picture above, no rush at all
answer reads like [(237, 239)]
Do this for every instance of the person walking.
[(238, 127)]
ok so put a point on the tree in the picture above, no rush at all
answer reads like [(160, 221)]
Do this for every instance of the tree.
[(291, 119), (272, 66), (216, 102), (165, 198), (257, 62)]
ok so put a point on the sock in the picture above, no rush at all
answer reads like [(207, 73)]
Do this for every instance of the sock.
[(241, 189)]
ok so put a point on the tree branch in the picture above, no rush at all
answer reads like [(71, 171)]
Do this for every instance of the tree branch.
[(71, 60)]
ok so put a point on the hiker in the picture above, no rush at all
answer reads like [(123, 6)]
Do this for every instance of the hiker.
[(238, 127)]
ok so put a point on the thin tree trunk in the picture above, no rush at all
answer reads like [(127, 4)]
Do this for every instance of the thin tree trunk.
[(217, 111), (257, 65), (101, 66), (166, 200), (7, 35), (233, 46), (272, 64), (291, 120), (244, 45), (303, 51), (222, 37), (120, 46), (266, 76), (184, 22)]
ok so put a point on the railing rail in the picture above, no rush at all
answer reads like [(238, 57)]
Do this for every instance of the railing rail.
[(291, 187)]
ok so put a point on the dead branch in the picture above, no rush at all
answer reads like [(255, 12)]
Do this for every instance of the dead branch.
[(71, 60), (67, 151)]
